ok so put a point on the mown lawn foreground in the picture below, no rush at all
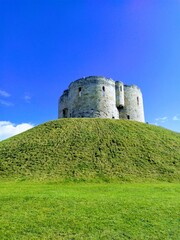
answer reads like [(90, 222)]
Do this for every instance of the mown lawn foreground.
[(42, 210)]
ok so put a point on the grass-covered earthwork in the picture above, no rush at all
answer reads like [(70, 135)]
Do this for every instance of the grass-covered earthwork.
[(92, 150)]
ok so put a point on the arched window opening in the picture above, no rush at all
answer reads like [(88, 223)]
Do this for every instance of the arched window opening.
[(137, 100), (80, 91), (103, 90), (128, 116)]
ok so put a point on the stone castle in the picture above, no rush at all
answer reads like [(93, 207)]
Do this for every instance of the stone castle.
[(100, 97)]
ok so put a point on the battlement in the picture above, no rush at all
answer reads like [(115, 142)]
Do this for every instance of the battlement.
[(97, 96), (90, 80), (66, 92), (132, 86)]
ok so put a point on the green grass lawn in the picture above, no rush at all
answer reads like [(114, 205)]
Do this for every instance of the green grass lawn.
[(35, 210)]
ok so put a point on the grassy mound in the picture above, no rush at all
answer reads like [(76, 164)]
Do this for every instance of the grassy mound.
[(92, 149)]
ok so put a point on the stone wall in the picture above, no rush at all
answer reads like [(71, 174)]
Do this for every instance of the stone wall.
[(103, 98)]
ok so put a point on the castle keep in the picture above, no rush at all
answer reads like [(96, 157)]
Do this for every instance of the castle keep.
[(100, 97)]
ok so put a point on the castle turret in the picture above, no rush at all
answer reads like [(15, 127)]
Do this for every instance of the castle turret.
[(93, 97), (133, 103), (119, 94)]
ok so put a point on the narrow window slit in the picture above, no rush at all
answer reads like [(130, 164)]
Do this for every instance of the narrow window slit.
[(80, 91), (103, 90), (137, 100)]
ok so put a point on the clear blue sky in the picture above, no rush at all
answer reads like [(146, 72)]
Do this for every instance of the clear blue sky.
[(46, 44)]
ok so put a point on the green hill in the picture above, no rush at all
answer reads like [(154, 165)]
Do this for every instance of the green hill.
[(92, 149)]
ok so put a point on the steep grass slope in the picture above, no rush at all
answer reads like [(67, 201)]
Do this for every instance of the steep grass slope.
[(88, 149)]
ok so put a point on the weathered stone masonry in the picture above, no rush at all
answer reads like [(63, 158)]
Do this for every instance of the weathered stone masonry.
[(100, 97)]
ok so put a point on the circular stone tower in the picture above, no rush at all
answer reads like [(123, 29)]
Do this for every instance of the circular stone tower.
[(100, 97), (133, 104)]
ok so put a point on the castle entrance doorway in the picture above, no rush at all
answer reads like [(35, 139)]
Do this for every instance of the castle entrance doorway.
[(65, 113)]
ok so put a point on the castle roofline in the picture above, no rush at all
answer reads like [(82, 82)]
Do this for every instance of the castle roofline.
[(102, 78), (131, 86), (91, 77)]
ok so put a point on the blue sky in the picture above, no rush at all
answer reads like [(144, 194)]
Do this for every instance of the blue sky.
[(46, 44)]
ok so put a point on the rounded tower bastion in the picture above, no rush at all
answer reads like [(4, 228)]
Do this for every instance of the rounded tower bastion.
[(100, 97)]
